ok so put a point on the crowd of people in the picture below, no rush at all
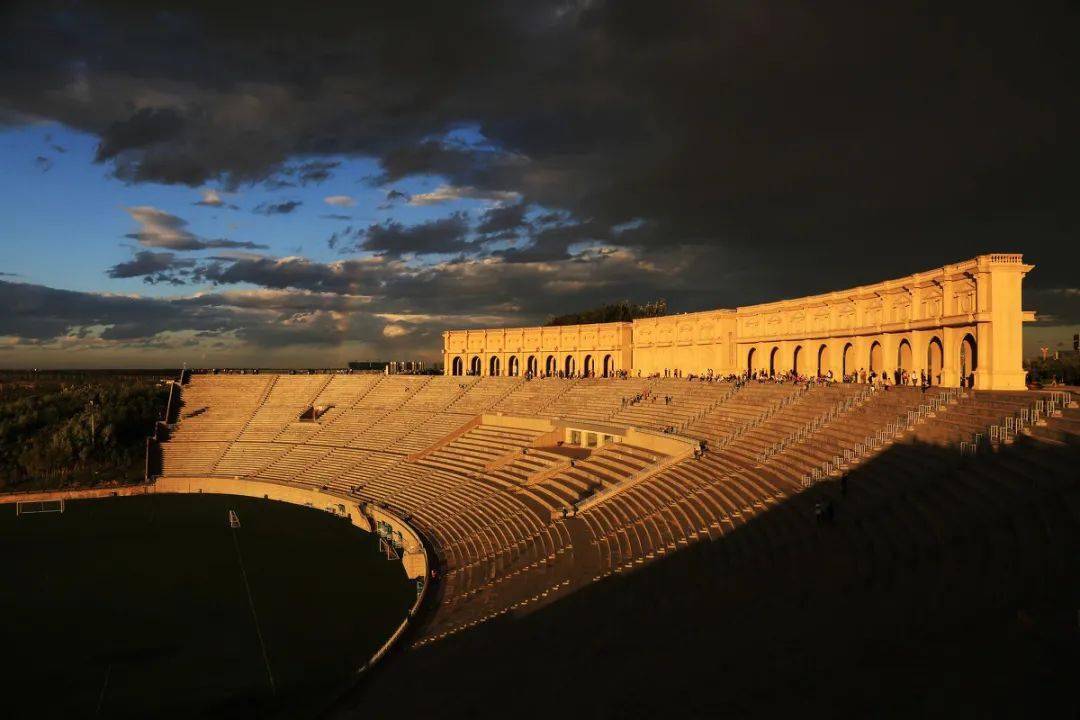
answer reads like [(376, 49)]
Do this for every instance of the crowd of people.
[(898, 377)]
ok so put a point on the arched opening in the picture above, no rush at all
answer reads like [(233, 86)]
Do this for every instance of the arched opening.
[(456, 366), (530, 366), (934, 355), (903, 356), (589, 366), (493, 367), (823, 360), (569, 366), (474, 366), (969, 361), (875, 357), (750, 361), (796, 361), (549, 365), (847, 365), (513, 366), (609, 366), (772, 360)]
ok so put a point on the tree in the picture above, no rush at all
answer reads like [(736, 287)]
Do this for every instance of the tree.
[(621, 311)]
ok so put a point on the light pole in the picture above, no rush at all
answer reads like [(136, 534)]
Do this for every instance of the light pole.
[(91, 422)]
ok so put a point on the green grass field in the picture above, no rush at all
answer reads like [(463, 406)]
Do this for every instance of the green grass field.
[(137, 607)]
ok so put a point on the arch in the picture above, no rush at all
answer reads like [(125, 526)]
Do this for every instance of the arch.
[(550, 365), (532, 366), (493, 366), (875, 357), (969, 361), (796, 360), (609, 366), (903, 356), (750, 360), (475, 365), (823, 360), (847, 364), (457, 366), (934, 356), (589, 366), (569, 366), (773, 357), (513, 366)]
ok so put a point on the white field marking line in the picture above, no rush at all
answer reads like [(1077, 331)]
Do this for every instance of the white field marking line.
[(104, 686), (254, 615)]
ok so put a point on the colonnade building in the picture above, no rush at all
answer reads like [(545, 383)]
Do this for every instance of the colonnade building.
[(963, 320)]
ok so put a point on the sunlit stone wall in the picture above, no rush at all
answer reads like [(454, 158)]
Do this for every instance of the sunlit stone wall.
[(960, 320)]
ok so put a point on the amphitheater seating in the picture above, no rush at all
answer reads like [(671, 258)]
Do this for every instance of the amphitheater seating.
[(491, 499), (672, 403), (289, 396), (533, 397), (217, 408), (483, 394), (595, 400)]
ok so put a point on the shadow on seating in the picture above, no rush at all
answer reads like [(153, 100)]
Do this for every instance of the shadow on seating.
[(945, 585)]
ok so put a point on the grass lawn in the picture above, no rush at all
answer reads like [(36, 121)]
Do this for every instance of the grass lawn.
[(137, 607)]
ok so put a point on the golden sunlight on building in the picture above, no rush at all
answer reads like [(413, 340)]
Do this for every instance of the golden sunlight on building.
[(962, 320)]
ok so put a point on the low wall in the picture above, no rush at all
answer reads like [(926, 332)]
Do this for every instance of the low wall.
[(82, 494), (414, 560), (518, 422)]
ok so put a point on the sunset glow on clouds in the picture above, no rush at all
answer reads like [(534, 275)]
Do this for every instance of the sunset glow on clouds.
[(164, 201)]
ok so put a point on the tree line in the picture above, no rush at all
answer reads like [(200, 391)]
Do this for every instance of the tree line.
[(1063, 370), (54, 433), (622, 311)]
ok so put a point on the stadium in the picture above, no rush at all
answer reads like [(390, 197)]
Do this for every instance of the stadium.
[(667, 530)]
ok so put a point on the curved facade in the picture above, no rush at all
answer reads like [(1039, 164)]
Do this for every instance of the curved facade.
[(960, 320)]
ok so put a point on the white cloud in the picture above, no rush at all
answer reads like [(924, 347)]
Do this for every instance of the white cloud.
[(340, 201), (211, 198), (159, 229), (450, 193), (393, 331)]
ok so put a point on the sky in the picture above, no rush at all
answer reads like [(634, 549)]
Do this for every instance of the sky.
[(292, 185)]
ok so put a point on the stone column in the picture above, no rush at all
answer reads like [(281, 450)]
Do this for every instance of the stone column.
[(999, 322)]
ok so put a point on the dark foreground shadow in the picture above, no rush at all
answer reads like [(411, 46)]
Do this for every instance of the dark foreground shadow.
[(944, 587)]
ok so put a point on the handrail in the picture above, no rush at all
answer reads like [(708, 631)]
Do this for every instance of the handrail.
[(878, 439), (1033, 414), (849, 403), (764, 416)]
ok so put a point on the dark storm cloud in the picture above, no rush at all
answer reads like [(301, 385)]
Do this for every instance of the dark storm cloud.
[(346, 277), (1055, 306), (267, 320), (502, 219), (787, 147), (464, 288), (315, 171), (279, 208), (142, 129), (40, 313), (393, 196), (553, 243), (153, 267), (311, 172), (446, 235)]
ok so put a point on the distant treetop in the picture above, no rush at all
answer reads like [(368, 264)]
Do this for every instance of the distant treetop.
[(622, 311)]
